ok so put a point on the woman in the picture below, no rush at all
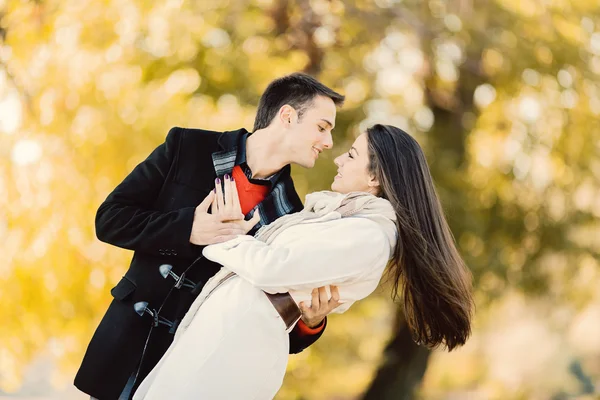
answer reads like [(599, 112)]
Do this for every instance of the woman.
[(383, 211)]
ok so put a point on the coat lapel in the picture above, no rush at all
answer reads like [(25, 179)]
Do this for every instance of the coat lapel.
[(224, 159), (281, 200)]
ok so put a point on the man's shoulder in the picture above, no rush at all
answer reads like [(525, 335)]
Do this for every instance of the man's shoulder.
[(192, 151), (192, 136), (190, 141), (196, 131), (193, 133)]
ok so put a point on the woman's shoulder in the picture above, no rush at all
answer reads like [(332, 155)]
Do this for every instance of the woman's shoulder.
[(370, 231), (351, 227), (352, 235)]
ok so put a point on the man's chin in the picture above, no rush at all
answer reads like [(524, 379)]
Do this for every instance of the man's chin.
[(309, 164)]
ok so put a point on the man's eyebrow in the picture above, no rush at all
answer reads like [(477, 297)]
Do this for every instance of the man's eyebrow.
[(327, 122), (353, 148)]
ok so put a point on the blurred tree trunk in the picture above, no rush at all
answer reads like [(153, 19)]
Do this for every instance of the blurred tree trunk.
[(403, 366), (300, 34)]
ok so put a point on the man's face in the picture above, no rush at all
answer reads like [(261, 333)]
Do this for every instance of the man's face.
[(311, 134)]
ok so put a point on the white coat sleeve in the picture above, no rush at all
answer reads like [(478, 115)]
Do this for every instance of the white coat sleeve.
[(319, 254)]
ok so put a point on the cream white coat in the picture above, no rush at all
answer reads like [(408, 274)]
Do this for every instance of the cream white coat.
[(235, 346)]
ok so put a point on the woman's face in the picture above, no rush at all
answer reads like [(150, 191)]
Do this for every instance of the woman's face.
[(353, 175)]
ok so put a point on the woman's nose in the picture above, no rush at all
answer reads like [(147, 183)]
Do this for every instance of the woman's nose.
[(338, 161)]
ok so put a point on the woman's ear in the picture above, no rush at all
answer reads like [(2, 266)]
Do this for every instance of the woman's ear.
[(373, 183)]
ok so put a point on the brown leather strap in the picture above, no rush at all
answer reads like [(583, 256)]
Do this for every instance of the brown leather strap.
[(286, 307)]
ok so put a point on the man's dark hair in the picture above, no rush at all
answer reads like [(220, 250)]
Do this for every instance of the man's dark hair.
[(298, 90)]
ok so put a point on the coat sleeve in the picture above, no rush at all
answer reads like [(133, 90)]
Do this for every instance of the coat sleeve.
[(299, 341), (127, 219), (320, 254)]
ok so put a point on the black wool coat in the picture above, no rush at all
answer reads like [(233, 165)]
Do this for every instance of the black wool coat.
[(151, 212)]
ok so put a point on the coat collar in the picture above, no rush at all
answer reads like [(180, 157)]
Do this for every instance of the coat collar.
[(233, 152), (225, 159), (282, 198)]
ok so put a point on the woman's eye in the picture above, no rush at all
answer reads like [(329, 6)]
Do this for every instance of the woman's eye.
[(350, 155)]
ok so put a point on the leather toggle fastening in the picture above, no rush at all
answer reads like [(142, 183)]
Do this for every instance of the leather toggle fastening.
[(141, 308), (180, 281)]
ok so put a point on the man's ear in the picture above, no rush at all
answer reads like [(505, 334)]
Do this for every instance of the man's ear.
[(287, 115)]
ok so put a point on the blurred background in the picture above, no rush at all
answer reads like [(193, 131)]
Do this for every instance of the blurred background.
[(504, 96)]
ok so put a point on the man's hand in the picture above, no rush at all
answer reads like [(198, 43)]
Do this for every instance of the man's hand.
[(225, 221), (320, 307)]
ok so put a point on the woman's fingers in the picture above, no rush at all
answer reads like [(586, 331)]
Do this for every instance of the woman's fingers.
[(235, 199), (227, 201), (214, 207), (228, 196), (220, 199)]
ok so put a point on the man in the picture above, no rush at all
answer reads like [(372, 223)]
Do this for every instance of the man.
[(161, 211)]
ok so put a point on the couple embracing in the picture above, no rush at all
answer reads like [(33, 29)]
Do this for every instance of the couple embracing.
[(231, 272)]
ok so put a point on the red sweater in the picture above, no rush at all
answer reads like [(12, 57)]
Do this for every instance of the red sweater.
[(250, 195)]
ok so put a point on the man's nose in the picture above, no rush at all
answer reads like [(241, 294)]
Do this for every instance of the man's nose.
[(328, 141)]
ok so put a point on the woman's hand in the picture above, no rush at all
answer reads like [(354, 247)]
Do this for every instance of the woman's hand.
[(226, 206)]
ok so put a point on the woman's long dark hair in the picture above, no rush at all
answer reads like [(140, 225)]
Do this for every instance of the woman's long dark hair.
[(426, 268)]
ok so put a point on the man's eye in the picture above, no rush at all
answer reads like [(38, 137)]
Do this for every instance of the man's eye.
[(321, 129)]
